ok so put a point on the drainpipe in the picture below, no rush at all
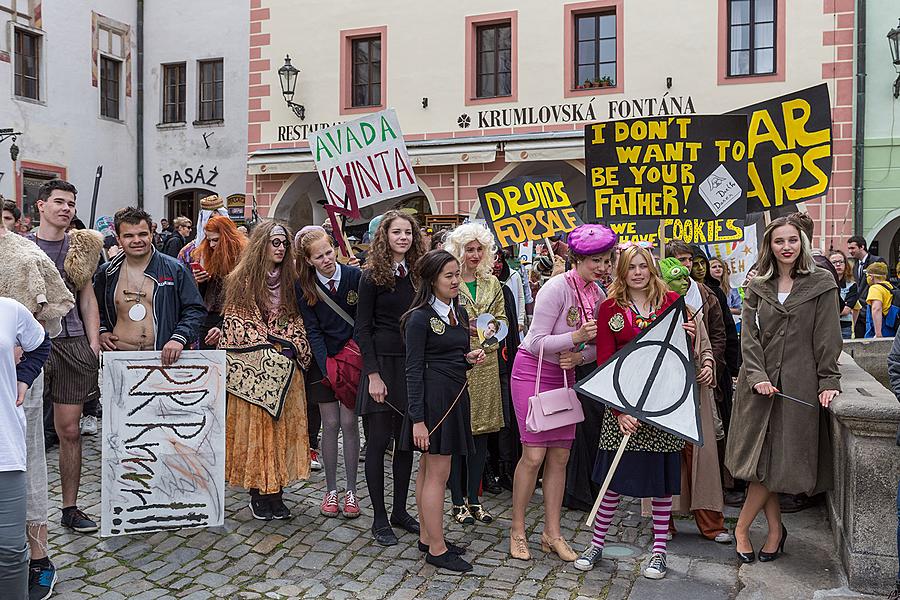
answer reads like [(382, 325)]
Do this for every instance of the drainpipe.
[(455, 189), (858, 175), (140, 104)]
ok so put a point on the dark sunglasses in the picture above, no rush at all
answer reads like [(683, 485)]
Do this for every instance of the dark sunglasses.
[(276, 243)]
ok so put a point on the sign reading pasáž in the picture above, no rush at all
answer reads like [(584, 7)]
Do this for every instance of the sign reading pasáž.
[(369, 153), (527, 208)]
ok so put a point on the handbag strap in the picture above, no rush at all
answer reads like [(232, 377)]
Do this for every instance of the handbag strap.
[(537, 381), (334, 305)]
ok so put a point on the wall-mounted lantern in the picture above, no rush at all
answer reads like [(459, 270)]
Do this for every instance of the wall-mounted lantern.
[(288, 74), (894, 42)]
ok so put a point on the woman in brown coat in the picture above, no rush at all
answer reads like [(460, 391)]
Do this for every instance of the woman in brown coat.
[(789, 327)]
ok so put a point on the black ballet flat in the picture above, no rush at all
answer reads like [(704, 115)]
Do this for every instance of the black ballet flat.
[(449, 561), (452, 548), (406, 523), (385, 536), (770, 556)]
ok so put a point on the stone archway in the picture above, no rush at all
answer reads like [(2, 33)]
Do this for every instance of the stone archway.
[(887, 233)]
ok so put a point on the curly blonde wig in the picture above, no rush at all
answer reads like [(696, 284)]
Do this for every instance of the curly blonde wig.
[(456, 240)]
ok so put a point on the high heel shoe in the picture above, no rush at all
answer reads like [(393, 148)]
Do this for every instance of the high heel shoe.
[(559, 546), (770, 556), (746, 557), (518, 547)]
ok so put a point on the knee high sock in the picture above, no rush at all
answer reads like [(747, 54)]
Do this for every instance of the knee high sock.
[(604, 517), (331, 422), (475, 467), (402, 468), (662, 511), (378, 437), (350, 433)]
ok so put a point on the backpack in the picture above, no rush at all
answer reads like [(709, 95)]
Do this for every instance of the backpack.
[(890, 319)]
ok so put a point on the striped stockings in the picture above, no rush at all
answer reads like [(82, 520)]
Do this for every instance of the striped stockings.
[(662, 510)]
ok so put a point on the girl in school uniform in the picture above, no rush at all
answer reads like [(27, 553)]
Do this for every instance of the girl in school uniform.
[(438, 418), (324, 285), (386, 292)]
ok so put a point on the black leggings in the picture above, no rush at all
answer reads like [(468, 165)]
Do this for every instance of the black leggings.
[(473, 468), (379, 427)]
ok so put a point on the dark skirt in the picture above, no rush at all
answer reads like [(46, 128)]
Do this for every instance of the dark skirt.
[(316, 390), (454, 435), (641, 474), (393, 372)]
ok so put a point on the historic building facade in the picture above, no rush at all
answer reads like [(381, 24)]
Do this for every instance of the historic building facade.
[(490, 90)]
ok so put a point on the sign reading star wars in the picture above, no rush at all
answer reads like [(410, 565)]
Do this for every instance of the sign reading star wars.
[(788, 148), (690, 171), (527, 208)]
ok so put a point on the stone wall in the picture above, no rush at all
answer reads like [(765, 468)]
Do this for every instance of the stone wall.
[(871, 356), (862, 507)]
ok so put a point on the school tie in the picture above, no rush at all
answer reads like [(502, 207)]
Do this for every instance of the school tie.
[(331, 286), (401, 272), (452, 318)]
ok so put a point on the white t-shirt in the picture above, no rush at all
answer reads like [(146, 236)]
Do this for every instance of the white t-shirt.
[(17, 328)]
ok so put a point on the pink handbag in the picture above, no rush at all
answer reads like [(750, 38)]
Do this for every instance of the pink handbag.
[(554, 408)]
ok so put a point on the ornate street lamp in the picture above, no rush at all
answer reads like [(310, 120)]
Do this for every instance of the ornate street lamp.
[(288, 75), (7, 133), (894, 42)]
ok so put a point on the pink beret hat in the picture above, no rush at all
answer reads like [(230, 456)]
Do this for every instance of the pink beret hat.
[(591, 238)]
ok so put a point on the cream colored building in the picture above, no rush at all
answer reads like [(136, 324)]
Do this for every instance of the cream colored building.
[(533, 59)]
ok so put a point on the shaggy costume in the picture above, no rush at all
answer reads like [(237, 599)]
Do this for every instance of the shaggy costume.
[(29, 276), (83, 257), (262, 450)]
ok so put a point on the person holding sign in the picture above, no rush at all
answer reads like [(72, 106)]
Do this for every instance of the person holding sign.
[(473, 246), (791, 340), (266, 443), (561, 333), (386, 292), (438, 421), (328, 305), (650, 467)]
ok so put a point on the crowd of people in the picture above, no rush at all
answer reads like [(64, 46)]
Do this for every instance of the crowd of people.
[(389, 339)]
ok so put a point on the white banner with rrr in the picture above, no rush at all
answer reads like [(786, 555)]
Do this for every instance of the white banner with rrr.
[(369, 153), (163, 442)]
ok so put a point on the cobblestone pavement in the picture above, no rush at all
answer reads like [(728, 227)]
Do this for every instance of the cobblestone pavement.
[(312, 556)]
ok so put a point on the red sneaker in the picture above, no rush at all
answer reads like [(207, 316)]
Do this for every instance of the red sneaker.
[(330, 504), (314, 463), (351, 506)]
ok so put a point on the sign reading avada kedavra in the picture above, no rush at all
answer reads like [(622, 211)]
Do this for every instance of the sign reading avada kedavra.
[(788, 148), (527, 208), (691, 170)]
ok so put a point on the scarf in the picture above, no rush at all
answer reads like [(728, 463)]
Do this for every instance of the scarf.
[(587, 295), (273, 283)]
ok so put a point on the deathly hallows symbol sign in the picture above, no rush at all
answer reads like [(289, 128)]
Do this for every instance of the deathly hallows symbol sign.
[(653, 378)]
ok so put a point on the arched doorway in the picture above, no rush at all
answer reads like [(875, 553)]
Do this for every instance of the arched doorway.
[(885, 241), (185, 203)]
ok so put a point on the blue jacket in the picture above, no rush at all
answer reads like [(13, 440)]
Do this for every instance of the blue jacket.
[(178, 309), (326, 330)]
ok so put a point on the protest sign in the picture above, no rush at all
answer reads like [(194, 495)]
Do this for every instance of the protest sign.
[(739, 256), (788, 148), (690, 170), (527, 208), (690, 231), (163, 463), (367, 154)]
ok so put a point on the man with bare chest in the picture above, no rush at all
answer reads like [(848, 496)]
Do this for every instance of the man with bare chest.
[(148, 301)]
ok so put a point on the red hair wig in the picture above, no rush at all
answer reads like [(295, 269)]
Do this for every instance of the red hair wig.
[(221, 260)]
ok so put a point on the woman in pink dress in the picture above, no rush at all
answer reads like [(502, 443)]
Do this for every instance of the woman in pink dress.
[(564, 325)]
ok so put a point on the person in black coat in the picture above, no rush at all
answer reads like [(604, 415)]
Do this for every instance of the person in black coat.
[(386, 292), (323, 283), (438, 418), (859, 251)]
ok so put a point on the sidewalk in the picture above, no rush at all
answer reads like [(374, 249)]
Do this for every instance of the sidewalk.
[(311, 556)]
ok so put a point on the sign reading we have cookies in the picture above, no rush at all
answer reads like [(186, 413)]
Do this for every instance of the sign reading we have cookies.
[(527, 209), (688, 171)]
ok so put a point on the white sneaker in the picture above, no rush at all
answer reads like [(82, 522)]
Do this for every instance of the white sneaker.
[(89, 425), (724, 538), (656, 567), (314, 463)]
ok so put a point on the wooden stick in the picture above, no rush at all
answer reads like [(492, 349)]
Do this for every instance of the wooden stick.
[(549, 248), (661, 236), (608, 480)]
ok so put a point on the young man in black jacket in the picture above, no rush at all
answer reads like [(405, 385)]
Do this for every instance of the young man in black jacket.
[(147, 300)]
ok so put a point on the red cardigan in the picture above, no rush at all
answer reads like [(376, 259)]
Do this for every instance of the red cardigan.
[(608, 341)]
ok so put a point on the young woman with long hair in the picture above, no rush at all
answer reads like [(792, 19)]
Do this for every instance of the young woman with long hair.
[(472, 244), (651, 464), (564, 328), (331, 336), (790, 342), (718, 269), (437, 423), (266, 443), (386, 292), (847, 289), (211, 262)]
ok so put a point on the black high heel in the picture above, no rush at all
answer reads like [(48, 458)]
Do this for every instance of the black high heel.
[(770, 556), (746, 557)]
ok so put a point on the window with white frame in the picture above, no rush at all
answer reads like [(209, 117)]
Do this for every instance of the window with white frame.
[(211, 97), (27, 68), (110, 87)]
